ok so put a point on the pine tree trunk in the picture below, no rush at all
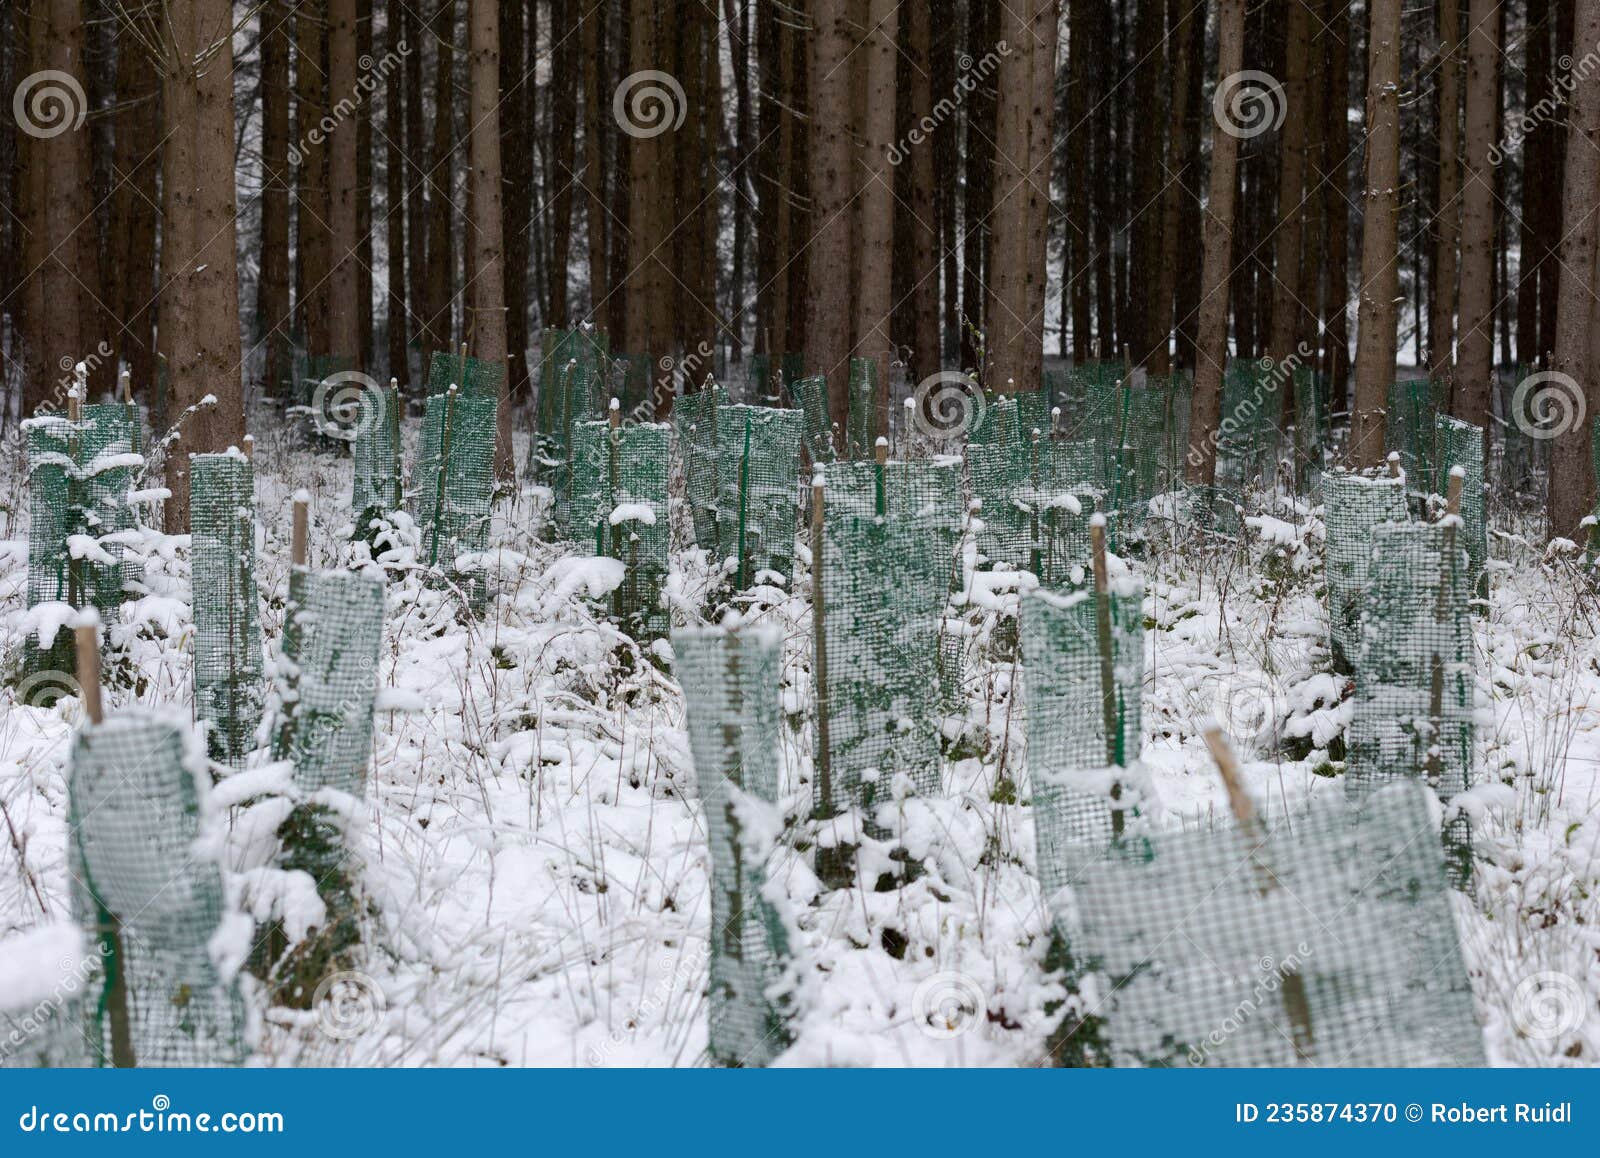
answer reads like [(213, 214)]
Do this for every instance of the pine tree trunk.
[(875, 205), (416, 150), (272, 321), (1211, 338), (312, 239), (977, 221), (832, 186), (1146, 219), (344, 283), (439, 304), (1178, 143), (516, 160), (395, 168), (133, 213), (1447, 219), (1335, 172), (946, 161), (483, 146), (1077, 258), (564, 82), (1004, 312), (1572, 483), (364, 192), (921, 214), (1476, 367), (1033, 264), (596, 122), (1190, 245), (1288, 323), (1377, 313)]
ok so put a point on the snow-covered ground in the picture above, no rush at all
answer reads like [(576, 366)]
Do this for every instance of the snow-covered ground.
[(537, 861)]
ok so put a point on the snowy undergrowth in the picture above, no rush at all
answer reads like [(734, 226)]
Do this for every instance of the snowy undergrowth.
[(537, 864)]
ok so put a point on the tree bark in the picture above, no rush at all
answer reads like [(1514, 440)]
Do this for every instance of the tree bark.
[(1078, 248), (395, 198), (1335, 171), (272, 321), (921, 211), (344, 283), (1288, 322), (1145, 214), (875, 205), (416, 172), (1447, 221), (982, 109), (1572, 483), (1004, 309), (516, 160), (1476, 366), (1377, 313), (364, 192), (564, 83), (438, 311), (828, 315), (1180, 145), (312, 238), (483, 146), (596, 124), (1211, 338), (133, 210)]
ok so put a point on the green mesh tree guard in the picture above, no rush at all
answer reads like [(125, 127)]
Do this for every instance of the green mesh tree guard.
[(1523, 457), (475, 377), (572, 379), (1457, 443), (328, 685), (881, 638), (1409, 428), (378, 487), (619, 508), (925, 492), (768, 373), (758, 475), (810, 397), (316, 369), (79, 475), (227, 628), (1248, 434), (1311, 426), (730, 680), (454, 481), (1035, 493), (1353, 508), (146, 898), (633, 380), (1327, 941), (1414, 679), (1152, 442), (1083, 717), (694, 420), (863, 420)]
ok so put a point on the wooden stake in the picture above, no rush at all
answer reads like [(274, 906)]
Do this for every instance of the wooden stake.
[(819, 639), (125, 386), (1108, 675), (300, 533), (250, 447), (1296, 1003), (1394, 464), (86, 638)]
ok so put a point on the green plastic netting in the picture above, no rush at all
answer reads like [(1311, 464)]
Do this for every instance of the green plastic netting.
[(79, 475), (1248, 431), (926, 493), (227, 628), (573, 372), (454, 481), (758, 476), (1523, 458), (475, 377), (1353, 507), (1414, 679), (768, 374), (1458, 443), (694, 421), (1413, 405), (619, 508), (863, 423), (1312, 427), (377, 486), (880, 632), (810, 397), (314, 369), (144, 895), (1083, 719), (1326, 941), (730, 679)]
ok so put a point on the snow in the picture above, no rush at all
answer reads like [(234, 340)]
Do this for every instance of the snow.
[(633, 513), (533, 848)]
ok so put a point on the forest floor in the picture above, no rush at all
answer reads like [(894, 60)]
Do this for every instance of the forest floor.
[(536, 859)]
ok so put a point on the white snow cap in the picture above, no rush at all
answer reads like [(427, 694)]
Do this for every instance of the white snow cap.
[(615, 404), (1097, 520), (1459, 472), (301, 496), (882, 441)]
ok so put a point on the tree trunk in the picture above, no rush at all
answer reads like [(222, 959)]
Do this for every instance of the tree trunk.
[(921, 211), (1004, 311), (978, 201), (1476, 368), (1033, 265), (1211, 337), (133, 213), (272, 321), (564, 82), (416, 173), (1145, 215), (1179, 143), (828, 316), (1288, 323), (395, 199), (1572, 483), (1078, 249), (875, 205), (1336, 172), (344, 283), (1190, 248), (438, 310), (364, 192), (596, 123), (312, 239), (483, 146), (1447, 220), (1377, 312)]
